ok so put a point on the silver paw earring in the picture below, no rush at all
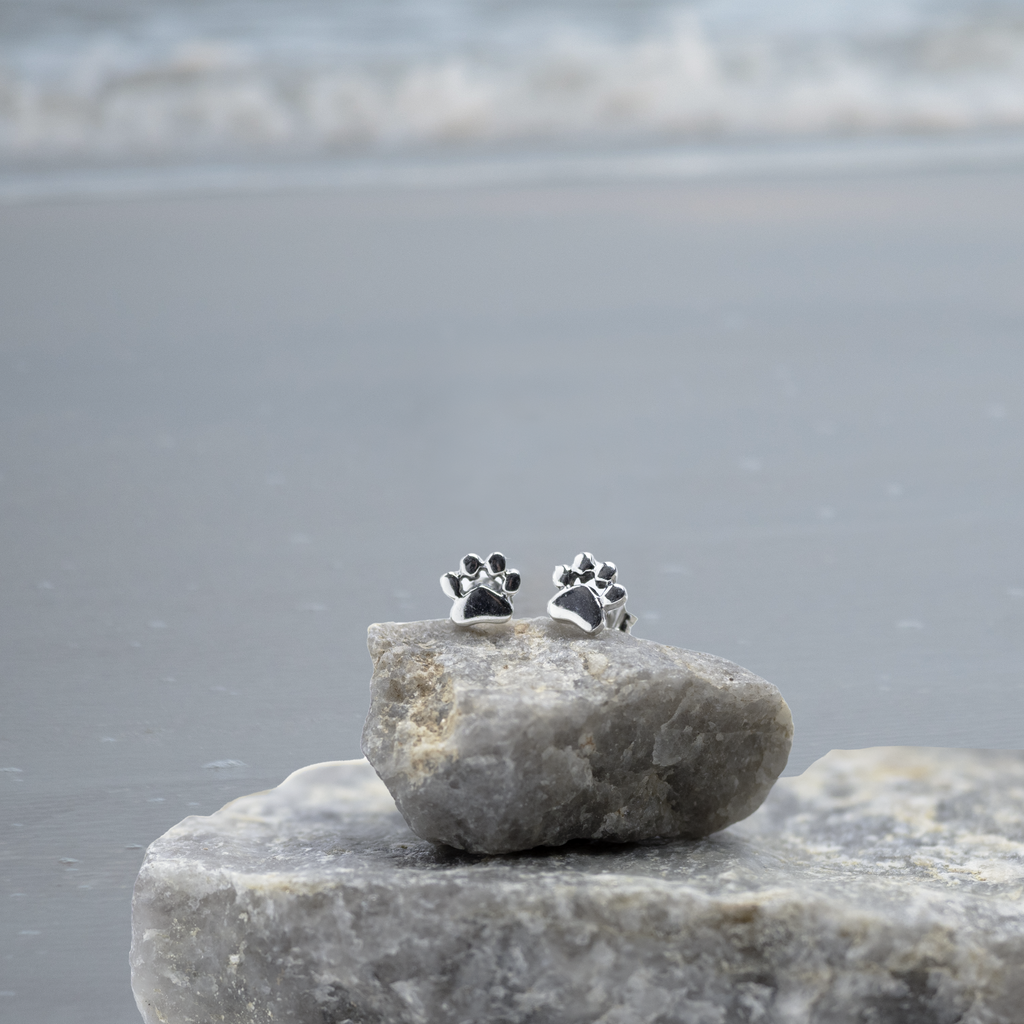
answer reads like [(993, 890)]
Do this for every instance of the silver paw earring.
[(588, 596), (482, 591)]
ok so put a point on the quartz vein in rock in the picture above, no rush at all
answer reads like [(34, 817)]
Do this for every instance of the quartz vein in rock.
[(529, 734), (882, 886)]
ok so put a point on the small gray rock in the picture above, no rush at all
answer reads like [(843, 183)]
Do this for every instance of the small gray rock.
[(881, 886), (506, 738)]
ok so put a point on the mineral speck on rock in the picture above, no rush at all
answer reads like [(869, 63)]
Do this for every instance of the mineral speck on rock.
[(508, 738)]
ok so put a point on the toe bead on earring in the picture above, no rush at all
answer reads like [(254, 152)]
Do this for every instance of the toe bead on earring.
[(482, 591), (589, 597)]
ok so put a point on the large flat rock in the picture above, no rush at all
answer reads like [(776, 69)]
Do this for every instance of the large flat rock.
[(528, 734), (881, 886)]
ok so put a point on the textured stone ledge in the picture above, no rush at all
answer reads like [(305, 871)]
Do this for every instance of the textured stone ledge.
[(881, 886)]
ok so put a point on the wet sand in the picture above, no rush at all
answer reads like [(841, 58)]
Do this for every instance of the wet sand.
[(235, 431)]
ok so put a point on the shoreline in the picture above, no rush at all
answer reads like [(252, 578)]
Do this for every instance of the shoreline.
[(726, 161), (239, 428)]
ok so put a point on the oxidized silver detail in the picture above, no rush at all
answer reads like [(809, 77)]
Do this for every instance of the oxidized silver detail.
[(482, 590), (589, 597)]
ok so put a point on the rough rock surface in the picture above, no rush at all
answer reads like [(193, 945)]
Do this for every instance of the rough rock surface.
[(881, 886), (506, 738)]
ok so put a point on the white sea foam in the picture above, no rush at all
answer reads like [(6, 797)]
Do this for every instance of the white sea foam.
[(216, 80)]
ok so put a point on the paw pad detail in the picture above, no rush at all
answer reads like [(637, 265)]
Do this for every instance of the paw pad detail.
[(482, 590), (589, 597)]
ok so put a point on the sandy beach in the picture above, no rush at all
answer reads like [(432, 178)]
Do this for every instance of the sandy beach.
[(237, 430)]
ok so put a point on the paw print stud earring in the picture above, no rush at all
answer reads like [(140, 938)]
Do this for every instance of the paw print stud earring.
[(588, 596), (482, 591)]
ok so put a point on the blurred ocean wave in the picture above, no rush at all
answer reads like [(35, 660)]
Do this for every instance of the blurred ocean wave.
[(101, 81)]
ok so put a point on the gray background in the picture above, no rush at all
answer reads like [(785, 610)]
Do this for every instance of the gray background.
[(235, 431)]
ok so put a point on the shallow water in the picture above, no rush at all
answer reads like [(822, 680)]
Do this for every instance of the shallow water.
[(234, 431), (85, 81)]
